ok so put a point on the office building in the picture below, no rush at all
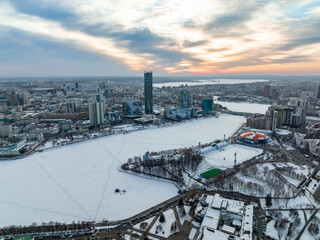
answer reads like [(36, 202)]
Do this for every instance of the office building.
[(148, 93), (207, 105), (185, 98)]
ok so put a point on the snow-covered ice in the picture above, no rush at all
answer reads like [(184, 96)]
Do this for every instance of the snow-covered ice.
[(78, 181), (208, 82), (244, 107)]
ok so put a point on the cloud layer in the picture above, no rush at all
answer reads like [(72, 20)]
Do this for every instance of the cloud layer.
[(198, 37)]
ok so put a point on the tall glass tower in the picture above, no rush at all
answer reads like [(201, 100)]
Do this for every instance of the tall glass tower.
[(148, 93), (185, 98)]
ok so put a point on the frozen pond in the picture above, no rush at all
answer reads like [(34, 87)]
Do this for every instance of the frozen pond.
[(208, 82), (78, 182)]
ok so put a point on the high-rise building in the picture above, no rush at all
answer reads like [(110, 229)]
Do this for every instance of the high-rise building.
[(148, 93), (185, 98), (266, 91), (274, 93), (76, 87), (71, 107), (318, 91), (207, 105), (96, 110), (12, 99)]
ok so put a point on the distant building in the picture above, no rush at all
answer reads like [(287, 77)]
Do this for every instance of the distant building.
[(113, 117), (266, 91), (256, 122), (12, 99), (108, 93), (71, 107), (318, 91), (76, 87), (65, 125), (96, 110), (274, 93), (185, 98), (5, 130), (43, 90), (177, 114), (132, 108), (207, 105), (148, 93)]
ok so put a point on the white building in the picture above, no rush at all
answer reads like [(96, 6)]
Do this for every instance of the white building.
[(217, 208)]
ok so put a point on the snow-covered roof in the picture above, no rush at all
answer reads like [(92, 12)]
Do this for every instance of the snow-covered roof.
[(232, 206), (192, 233), (206, 149), (236, 222), (211, 218), (210, 234), (283, 132), (217, 200), (228, 229), (247, 221)]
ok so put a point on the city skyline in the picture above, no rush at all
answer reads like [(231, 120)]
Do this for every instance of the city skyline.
[(81, 38)]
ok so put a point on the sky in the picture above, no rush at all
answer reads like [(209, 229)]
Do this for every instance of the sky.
[(170, 37)]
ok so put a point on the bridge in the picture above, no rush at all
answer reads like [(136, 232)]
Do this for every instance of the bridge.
[(246, 114)]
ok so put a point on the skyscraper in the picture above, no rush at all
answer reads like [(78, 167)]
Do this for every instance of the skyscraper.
[(207, 105), (96, 110), (148, 93), (185, 98)]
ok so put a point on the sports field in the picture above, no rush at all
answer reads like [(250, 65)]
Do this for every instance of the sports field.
[(211, 173)]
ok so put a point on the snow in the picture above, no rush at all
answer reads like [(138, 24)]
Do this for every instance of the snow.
[(306, 234), (192, 233), (211, 218), (271, 231), (77, 182), (245, 107), (210, 234), (313, 118), (208, 82), (246, 230), (283, 132), (149, 220), (166, 226), (225, 157), (187, 216)]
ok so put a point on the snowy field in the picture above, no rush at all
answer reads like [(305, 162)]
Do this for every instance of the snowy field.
[(78, 182), (225, 157), (208, 82), (165, 226), (245, 107)]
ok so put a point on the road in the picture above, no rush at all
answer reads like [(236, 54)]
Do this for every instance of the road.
[(306, 224)]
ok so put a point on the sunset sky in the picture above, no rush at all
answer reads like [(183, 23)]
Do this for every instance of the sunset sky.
[(173, 37)]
